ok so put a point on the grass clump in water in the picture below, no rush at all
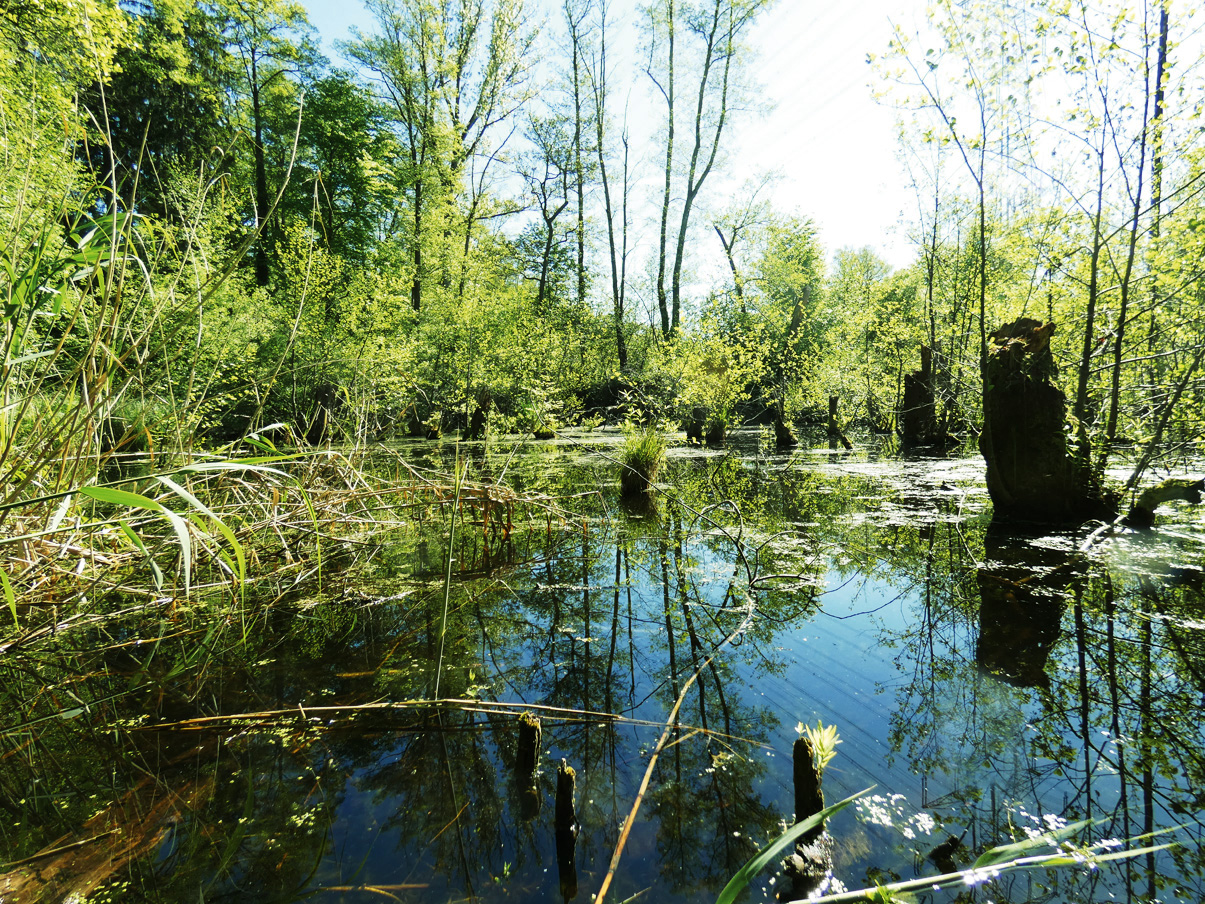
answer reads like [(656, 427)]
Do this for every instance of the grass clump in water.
[(641, 457)]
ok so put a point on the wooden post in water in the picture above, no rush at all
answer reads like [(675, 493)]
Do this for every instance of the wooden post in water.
[(527, 757), (566, 830), (809, 798), (529, 745), (812, 860)]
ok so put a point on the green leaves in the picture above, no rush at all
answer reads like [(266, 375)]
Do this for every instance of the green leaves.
[(774, 849), (125, 498), (9, 596), (209, 520)]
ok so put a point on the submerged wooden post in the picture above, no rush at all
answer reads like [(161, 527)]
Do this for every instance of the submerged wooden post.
[(529, 745), (809, 798), (812, 860), (566, 831), (527, 757)]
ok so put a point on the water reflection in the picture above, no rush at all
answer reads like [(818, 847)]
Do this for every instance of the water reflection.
[(1023, 588), (990, 685)]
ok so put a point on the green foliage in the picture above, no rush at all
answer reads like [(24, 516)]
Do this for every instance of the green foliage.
[(774, 849), (823, 740)]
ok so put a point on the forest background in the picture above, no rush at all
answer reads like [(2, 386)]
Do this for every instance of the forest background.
[(210, 228)]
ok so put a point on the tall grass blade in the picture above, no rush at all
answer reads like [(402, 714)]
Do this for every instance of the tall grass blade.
[(156, 571), (9, 596), (137, 500), (461, 469), (223, 528), (774, 849)]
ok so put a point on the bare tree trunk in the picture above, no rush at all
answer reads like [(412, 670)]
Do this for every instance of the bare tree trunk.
[(1123, 304), (738, 284), (617, 251), (718, 41), (667, 92), (1157, 175), (1085, 366)]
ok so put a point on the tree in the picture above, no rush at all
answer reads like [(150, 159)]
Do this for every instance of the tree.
[(714, 29), (452, 73), (165, 108), (548, 172), (272, 40), (617, 245), (344, 172)]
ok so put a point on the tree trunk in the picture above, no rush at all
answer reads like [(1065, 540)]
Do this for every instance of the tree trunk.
[(1035, 472), (668, 94), (918, 410), (261, 182)]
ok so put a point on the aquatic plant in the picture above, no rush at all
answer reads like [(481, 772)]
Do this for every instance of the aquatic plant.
[(1043, 850), (823, 740), (640, 459)]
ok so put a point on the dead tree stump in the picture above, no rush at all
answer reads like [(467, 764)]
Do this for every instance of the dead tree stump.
[(918, 409), (527, 758), (812, 860), (566, 831), (529, 745), (1039, 460), (835, 433), (784, 438)]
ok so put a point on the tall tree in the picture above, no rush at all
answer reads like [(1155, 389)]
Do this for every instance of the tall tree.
[(165, 107), (273, 40), (549, 172), (575, 12), (613, 207), (453, 72), (344, 171), (715, 30)]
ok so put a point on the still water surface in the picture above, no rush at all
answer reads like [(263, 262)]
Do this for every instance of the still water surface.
[(988, 685)]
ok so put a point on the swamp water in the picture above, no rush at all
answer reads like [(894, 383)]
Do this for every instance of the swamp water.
[(990, 686)]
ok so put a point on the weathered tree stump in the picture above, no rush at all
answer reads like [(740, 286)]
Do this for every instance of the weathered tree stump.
[(527, 759), (717, 432), (481, 411), (784, 438), (638, 479), (809, 798), (812, 860), (835, 433), (918, 409), (695, 424), (566, 831), (1039, 460), (528, 753), (426, 429)]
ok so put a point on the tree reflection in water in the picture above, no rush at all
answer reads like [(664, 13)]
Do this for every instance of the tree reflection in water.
[(989, 684)]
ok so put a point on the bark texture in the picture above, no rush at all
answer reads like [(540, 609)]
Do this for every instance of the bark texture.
[(1038, 457)]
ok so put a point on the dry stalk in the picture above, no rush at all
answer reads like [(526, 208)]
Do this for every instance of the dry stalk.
[(662, 743)]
